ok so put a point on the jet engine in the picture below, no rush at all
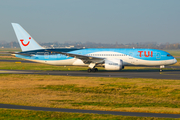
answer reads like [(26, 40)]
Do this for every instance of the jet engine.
[(113, 64)]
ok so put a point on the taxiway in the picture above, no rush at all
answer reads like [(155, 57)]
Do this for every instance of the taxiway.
[(9, 106), (155, 74)]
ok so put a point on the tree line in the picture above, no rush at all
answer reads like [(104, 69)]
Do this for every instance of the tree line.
[(152, 45)]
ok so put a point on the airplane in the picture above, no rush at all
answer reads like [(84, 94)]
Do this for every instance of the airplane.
[(109, 58)]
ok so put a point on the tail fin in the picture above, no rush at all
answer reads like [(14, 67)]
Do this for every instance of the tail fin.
[(25, 40)]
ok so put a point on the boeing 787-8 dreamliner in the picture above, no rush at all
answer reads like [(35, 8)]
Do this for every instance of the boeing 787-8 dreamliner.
[(109, 58)]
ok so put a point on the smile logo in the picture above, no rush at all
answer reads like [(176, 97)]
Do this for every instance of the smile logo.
[(26, 43)]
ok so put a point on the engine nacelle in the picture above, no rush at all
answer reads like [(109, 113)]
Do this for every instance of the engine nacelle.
[(113, 64)]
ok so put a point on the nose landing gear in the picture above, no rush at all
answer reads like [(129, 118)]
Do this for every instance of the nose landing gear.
[(162, 66)]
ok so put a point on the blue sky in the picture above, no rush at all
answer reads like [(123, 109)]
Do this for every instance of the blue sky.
[(105, 21)]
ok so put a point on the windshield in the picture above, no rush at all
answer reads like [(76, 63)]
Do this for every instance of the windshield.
[(169, 55)]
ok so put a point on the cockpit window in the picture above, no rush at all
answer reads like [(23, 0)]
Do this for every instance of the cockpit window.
[(169, 55)]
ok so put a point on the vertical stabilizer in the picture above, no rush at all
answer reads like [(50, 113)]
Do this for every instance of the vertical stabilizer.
[(26, 42)]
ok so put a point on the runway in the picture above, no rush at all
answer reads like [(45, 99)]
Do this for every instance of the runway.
[(155, 74), (9, 106)]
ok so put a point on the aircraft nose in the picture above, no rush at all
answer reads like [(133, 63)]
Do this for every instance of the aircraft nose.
[(175, 61)]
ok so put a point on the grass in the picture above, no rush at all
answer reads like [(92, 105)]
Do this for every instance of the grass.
[(11, 114), (116, 94), (9, 58), (178, 62), (122, 90)]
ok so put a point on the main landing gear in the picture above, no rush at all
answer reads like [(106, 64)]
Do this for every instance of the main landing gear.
[(92, 67), (92, 70)]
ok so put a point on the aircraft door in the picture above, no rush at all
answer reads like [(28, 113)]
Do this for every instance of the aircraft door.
[(158, 55), (130, 55), (46, 55), (131, 58)]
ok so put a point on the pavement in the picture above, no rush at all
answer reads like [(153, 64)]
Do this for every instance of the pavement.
[(155, 74), (9, 106)]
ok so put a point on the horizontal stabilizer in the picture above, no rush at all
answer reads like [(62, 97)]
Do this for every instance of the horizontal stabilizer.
[(25, 54)]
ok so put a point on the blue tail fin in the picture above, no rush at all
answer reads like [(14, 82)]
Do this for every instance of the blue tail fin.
[(25, 40)]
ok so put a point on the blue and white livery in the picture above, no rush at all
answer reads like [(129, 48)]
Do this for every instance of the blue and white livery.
[(109, 58)]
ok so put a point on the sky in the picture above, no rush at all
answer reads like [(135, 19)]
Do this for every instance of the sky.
[(100, 21)]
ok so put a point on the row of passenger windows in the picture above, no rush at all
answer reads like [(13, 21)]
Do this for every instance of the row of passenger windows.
[(107, 55), (47, 53)]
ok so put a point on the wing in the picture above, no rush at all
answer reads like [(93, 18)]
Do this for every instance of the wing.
[(84, 58)]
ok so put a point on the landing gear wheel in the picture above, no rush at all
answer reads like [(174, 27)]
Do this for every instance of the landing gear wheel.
[(96, 69), (92, 70), (89, 70)]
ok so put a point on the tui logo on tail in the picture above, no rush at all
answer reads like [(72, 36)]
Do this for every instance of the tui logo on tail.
[(23, 42)]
